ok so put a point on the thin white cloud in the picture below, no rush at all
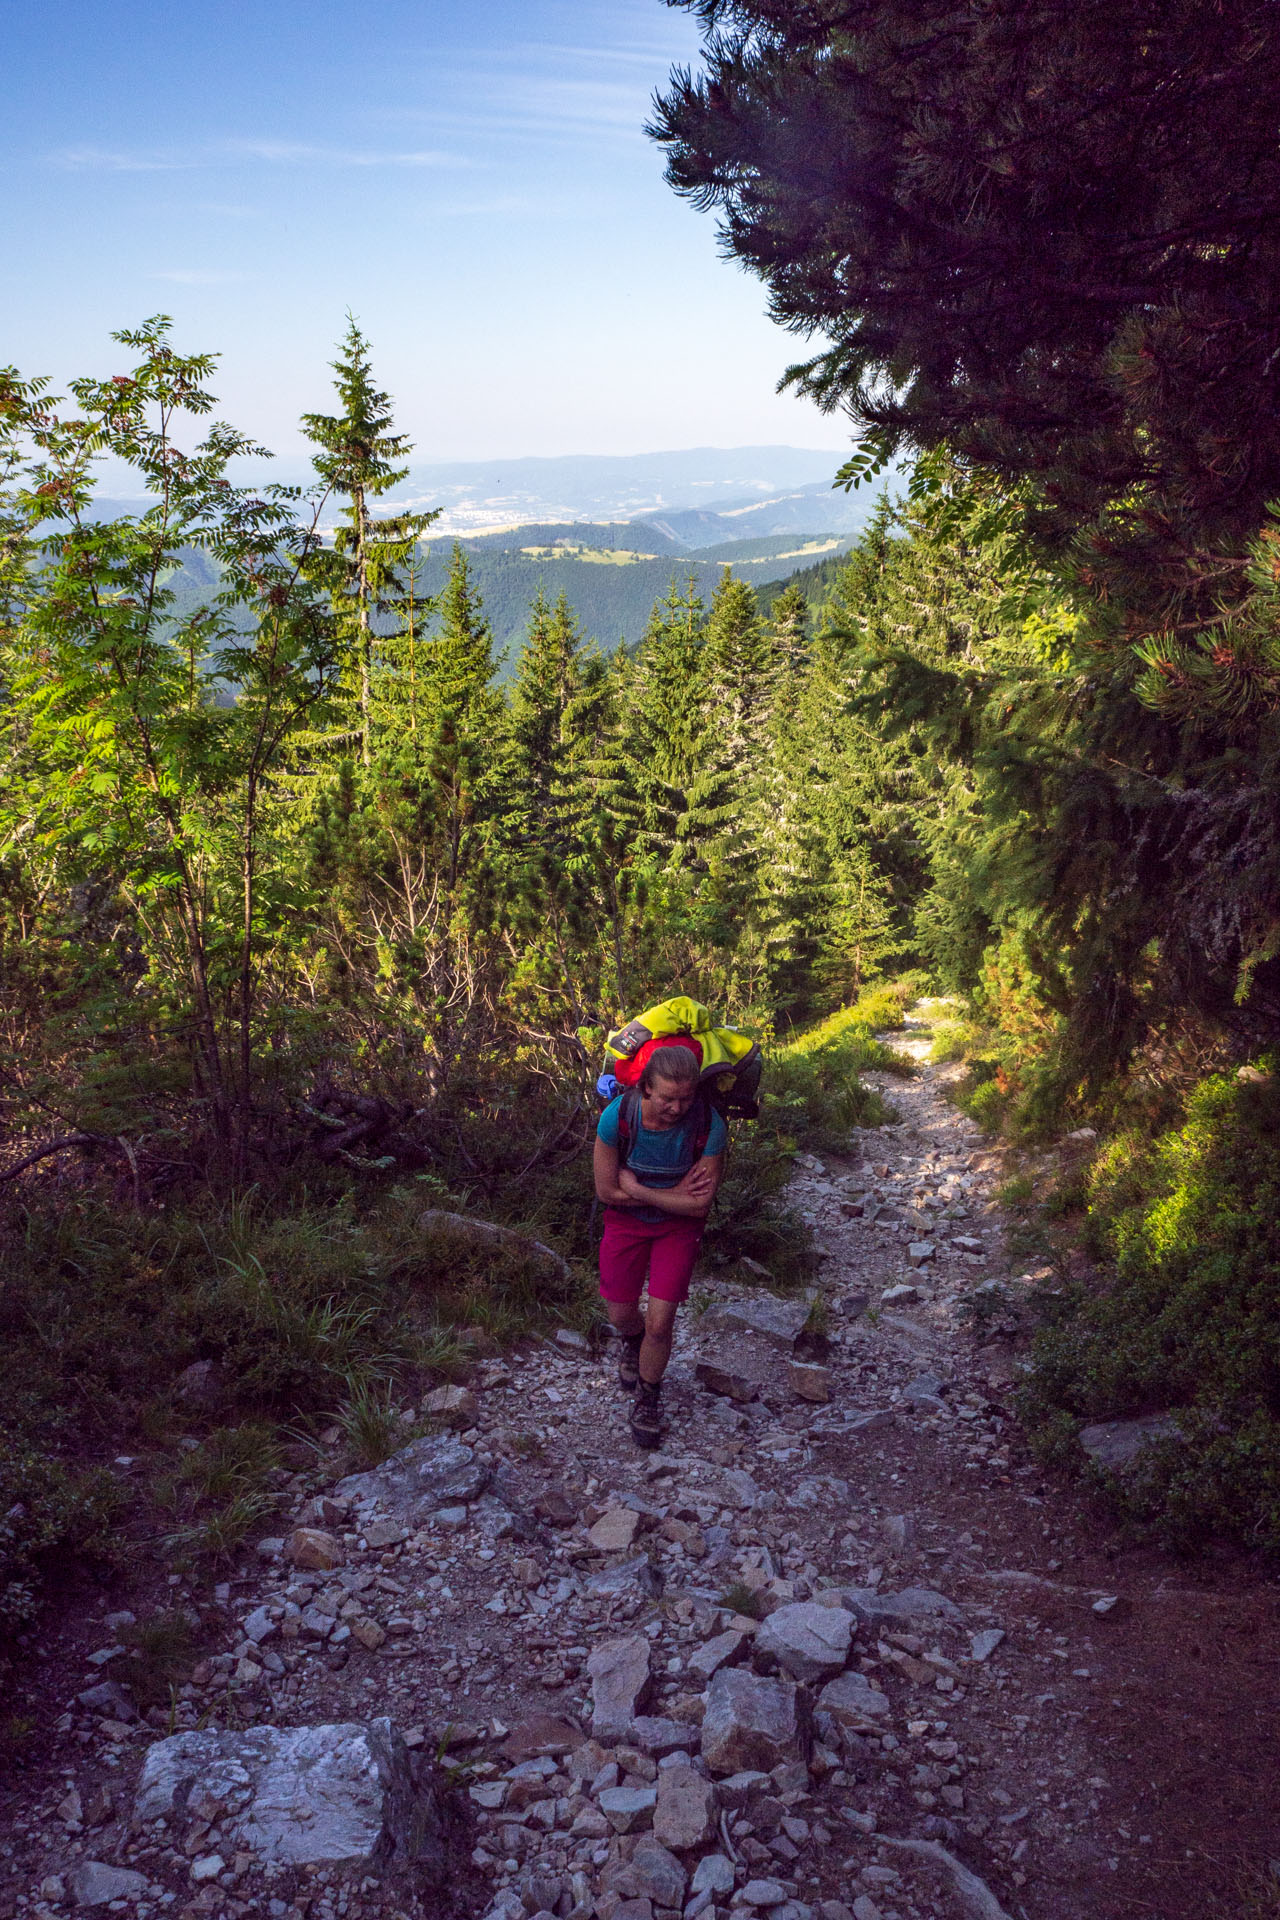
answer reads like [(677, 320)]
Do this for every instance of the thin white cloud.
[(286, 153), (101, 160), (199, 276), (297, 153)]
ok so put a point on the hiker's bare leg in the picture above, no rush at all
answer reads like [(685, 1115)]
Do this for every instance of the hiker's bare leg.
[(655, 1352), (625, 1318)]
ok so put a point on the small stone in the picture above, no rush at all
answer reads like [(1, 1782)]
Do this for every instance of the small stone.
[(872, 1607), (713, 1874), (259, 1626), (1107, 1604), (983, 1644), (108, 1697), (720, 1652), (809, 1382), (730, 1378), (456, 1405), (865, 1908), (615, 1530), (652, 1873), (852, 1701), (207, 1867), (637, 1576), (738, 1788), (926, 1389), (368, 1633), (899, 1531), (872, 1420), (620, 1682), (658, 1736), (899, 1296), (750, 1722), (92, 1884), (570, 1341), (543, 1736), (489, 1794), (684, 1816), (384, 1533), (628, 1807), (763, 1893), (309, 1548), (921, 1252), (555, 1507), (272, 1548), (315, 1624), (809, 1642)]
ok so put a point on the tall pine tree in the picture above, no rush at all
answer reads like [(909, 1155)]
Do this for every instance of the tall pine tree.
[(360, 458)]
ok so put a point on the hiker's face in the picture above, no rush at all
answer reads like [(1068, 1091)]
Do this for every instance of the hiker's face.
[(667, 1101)]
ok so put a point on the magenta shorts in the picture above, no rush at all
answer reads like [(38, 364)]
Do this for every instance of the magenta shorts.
[(666, 1248)]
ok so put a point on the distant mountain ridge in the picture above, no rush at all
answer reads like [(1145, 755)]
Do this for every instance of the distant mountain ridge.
[(695, 497), (594, 527)]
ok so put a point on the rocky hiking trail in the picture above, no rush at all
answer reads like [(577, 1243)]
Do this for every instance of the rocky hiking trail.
[(839, 1651)]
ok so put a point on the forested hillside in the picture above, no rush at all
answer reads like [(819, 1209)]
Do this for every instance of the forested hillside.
[(308, 916), (611, 575)]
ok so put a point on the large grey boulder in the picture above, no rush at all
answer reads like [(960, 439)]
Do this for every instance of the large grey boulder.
[(780, 1322), (301, 1796), (620, 1681), (1116, 1444), (752, 1722), (431, 1473), (808, 1642)]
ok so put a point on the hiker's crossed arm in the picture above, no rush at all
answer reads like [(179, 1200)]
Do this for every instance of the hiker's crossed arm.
[(692, 1196)]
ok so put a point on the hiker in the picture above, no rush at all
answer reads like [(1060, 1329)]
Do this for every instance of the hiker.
[(658, 1162)]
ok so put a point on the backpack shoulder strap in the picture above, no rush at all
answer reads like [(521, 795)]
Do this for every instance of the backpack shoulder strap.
[(628, 1121), (702, 1131)]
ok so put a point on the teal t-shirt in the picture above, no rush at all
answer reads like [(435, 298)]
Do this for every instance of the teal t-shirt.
[(660, 1158)]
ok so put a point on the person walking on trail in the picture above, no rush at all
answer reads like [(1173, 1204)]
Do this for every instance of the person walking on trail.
[(658, 1162)]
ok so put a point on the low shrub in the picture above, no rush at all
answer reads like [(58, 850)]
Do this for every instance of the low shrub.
[(48, 1513), (1187, 1318)]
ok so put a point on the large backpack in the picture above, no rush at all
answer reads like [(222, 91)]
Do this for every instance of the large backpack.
[(730, 1062)]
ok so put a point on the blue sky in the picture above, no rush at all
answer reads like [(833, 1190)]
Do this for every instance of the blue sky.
[(472, 180)]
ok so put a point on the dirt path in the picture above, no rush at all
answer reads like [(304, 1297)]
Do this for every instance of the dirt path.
[(1057, 1727)]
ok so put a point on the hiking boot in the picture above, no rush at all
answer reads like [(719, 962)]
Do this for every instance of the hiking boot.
[(629, 1361), (646, 1415)]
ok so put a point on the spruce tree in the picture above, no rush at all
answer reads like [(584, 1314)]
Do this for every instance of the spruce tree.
[(668, 720), (361, 458)]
